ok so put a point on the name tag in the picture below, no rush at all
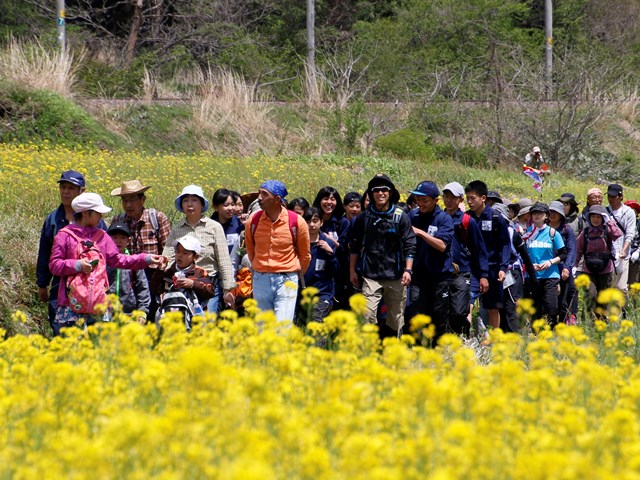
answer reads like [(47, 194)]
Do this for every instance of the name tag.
[(432, 230), (320, 265), (486, 225)]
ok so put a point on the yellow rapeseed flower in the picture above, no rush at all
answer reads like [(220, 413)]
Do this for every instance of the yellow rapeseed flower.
[(583, 281)]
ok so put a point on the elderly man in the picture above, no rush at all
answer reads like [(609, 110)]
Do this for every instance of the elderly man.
[(279, 250)]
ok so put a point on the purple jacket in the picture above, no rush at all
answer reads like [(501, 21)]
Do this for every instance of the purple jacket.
[(62, 262), (597, 243)]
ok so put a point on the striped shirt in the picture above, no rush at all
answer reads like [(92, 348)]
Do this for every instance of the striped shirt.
[(214, 257)]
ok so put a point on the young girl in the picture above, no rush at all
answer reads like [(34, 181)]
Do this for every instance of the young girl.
[(88, 209), (336, 228), (225, 213), (323, 266), (298, 205), (547, 251)]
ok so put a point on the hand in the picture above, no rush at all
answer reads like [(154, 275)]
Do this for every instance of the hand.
[(184, 283), (158, 260), (623, 254), (406, 279), (484, 285), (43, 294), (501, 276), (142, 320), (565, 273), (85, 266), (325, 246), (353, 278), (229, 299)]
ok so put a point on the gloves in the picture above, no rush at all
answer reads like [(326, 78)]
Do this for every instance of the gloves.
[(635, 256)]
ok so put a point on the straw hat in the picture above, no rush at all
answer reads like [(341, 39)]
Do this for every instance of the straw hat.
[(130, 187)]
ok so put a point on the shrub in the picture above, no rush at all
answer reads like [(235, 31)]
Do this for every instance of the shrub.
[(405, 144)]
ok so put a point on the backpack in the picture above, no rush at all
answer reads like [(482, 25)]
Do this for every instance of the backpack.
[(293, 225), (87, 290), (181, 300), (597, 262), (462, 232)]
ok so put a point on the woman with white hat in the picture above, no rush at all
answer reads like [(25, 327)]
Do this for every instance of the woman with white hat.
[(214, 257)]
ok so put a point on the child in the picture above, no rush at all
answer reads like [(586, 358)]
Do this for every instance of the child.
[(352, 205), (183, 274), (298, 205), (323, 266), (131, 288), (88, 209)]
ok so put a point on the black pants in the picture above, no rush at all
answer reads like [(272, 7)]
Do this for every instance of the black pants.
[(459, 298), (545, 299), (568, 299), (509, 318), (432, 299)]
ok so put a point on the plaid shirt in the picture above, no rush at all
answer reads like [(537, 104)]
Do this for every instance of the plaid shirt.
[(143, 237), (214, 257)]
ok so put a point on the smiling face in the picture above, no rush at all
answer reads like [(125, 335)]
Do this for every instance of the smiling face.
[(595, 219), (451, 202), (226, 210), (192, 205), (328, 205), (353, 209), (426, 204), (381, 197)]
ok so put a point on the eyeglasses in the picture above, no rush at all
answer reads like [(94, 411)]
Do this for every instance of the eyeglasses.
[(380, 189)]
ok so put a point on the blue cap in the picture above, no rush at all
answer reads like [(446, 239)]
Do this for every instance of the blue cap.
[(426, 189), (72, 177), (275, 187)]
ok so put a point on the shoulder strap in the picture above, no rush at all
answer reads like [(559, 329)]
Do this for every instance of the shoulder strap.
[(52, 223), (153, 218), (397, 214), (466, 219), (293, 228), (68, 230), (254, 221), (616, 220)]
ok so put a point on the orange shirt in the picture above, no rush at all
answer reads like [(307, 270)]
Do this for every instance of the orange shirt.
[(270, 247)]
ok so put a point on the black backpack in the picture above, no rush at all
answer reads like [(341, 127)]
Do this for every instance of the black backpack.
[(183, 301)]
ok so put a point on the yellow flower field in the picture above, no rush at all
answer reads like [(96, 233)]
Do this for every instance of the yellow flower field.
[(247, 398)]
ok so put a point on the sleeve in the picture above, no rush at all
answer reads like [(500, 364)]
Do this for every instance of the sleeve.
[(203, 284), (59, 263), (579, 247), (445, 230), (480, 259), (248, 237), (408, 237), (156, 287), (115, 259), (141, 290), (521, 248), (560, 248), (629, 225), (356, 234), (505, 244), (304, 245), (223, 261), (43, 274), (343, 234), (570, 261)]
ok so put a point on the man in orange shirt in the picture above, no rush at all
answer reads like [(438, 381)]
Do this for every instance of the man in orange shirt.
[(279, 250)]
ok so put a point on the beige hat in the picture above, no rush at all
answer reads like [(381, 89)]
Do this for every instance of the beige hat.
[(130, 187)]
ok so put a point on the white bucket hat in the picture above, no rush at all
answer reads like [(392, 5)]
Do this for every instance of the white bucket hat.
[(192, 190)]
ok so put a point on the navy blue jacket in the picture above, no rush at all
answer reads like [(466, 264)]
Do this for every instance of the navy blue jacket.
[(496, 238), (322, 270), (232, 229), (428, 261), (469, 253), (569, 238)]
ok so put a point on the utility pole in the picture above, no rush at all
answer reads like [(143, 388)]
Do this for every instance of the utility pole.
[(548, 52), (311, 48), (62, 37)]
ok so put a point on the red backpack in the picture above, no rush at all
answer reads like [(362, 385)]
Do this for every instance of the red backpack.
[(87, 290)]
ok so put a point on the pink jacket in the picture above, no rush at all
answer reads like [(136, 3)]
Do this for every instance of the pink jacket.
[(63, 262)]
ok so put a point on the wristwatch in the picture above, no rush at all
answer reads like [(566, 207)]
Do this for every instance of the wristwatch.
[(409, 271)]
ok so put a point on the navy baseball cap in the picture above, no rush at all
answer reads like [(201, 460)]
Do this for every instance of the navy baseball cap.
[(426, 189), (72, 177)]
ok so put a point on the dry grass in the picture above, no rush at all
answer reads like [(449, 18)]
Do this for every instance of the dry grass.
[(231, 109), (31, 64)]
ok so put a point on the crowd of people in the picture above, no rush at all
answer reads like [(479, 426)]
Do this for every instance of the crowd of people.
[(430, 255)]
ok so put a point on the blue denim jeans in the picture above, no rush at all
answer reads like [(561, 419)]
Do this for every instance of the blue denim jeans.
[(271, 293), (214, 302)]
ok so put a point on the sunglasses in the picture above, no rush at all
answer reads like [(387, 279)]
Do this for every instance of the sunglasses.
[(380, 189)]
